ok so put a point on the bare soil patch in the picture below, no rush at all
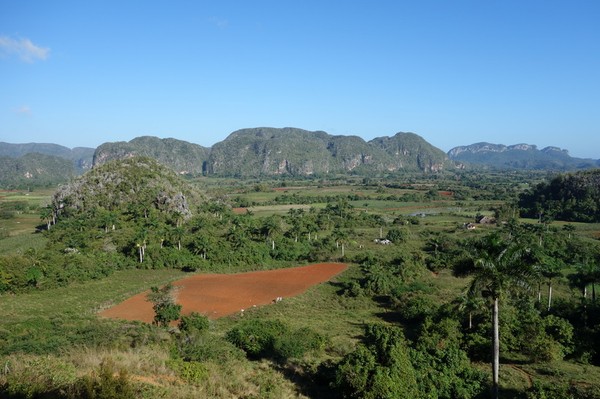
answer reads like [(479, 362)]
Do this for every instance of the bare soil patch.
[(218, 295)]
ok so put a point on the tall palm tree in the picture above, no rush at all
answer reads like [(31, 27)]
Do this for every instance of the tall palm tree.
[(499, 266), (550, 269)]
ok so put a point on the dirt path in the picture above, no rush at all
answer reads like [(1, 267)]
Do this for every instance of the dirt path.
[(218, 295)]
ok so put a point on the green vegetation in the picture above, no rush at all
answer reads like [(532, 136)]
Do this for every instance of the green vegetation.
[(571, 197), (296, 152), (164, 306), (409, 318), (181, 156)]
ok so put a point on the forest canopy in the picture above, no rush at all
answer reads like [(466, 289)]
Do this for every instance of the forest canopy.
[(573, 197)]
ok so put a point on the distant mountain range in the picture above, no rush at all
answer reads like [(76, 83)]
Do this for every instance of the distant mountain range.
[(297, 152), (41, 164), (519, 156), (265, 151)]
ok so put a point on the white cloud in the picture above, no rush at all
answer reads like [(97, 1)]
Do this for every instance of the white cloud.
[(22, 48), (22, 110), (219, 22)]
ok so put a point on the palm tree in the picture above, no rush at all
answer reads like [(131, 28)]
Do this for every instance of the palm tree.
[(340, 237), (271, 227), (47, 215), (201, 243), (469, 304), (177, 234), (551, 268), (499, 266), (588, 273)]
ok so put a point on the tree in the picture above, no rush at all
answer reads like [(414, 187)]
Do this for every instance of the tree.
[(340, 236), (201, 243), (140, 242), (177, 233), (271, 227), (499, 266), (550, 268), (469, 304), (163, 303), (47, 215)]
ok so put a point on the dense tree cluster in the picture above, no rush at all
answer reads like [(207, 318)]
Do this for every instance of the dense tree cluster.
[(571, 197)]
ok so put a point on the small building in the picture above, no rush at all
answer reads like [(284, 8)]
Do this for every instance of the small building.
[(469, 226), (486, 220)]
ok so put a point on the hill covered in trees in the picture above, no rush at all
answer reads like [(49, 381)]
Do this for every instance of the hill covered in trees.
[(571, 197), (297, 152), (519, 156), (41, 164), (181, 156), (34, 170), (81, 157)]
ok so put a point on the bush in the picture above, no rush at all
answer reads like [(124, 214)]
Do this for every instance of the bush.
[(297, 343), (195, 322), (380, 368), (165, 309), (106, 384), (397, 236), (191, 372), (273, 339), (206, 347), (257, 337)]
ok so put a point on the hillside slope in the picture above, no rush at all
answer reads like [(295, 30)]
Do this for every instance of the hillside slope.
[(181, 156), (298, 152), (80, 157), (34, 170)]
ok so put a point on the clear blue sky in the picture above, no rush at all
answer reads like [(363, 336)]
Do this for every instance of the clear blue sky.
[(80, 73)]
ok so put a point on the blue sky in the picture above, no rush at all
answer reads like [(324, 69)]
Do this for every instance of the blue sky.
[(80, 73)]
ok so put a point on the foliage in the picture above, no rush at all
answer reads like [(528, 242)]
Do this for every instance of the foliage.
[(34, 170), (192, 372), (571, 197), (190, 158), (194, 322), (297, 152), (273, 339), (163, 304), (52, 378), (443, 368), (257, 337), (379, 368), (107, 383)]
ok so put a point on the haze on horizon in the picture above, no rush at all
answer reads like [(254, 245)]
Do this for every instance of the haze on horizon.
[(456, 73)]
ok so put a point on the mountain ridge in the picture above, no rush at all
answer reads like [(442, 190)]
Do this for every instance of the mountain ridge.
[(519, 156), (299, 152), (289, 151)]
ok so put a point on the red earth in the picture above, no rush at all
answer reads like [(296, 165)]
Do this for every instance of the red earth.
[(218, 295)]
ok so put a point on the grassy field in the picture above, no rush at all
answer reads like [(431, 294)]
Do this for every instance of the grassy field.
[(60, 327)]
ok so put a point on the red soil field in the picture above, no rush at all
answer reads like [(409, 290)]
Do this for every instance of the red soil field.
[(218, 295)]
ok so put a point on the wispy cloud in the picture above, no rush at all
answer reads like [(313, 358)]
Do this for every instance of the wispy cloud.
[(22, 48), (22, 110), (220, 23)]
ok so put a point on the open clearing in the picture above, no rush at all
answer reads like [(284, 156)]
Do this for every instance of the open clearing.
[(218, 295)]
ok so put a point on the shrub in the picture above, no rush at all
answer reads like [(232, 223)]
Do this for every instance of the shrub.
[(297, 343), (257, 337), (206, 347), (397, 236), (380, 368), (194, 322), (107, 383), (191, 372), (165, 309)]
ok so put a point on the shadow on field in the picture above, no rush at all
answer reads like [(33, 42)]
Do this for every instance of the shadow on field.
[(316, 383)]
